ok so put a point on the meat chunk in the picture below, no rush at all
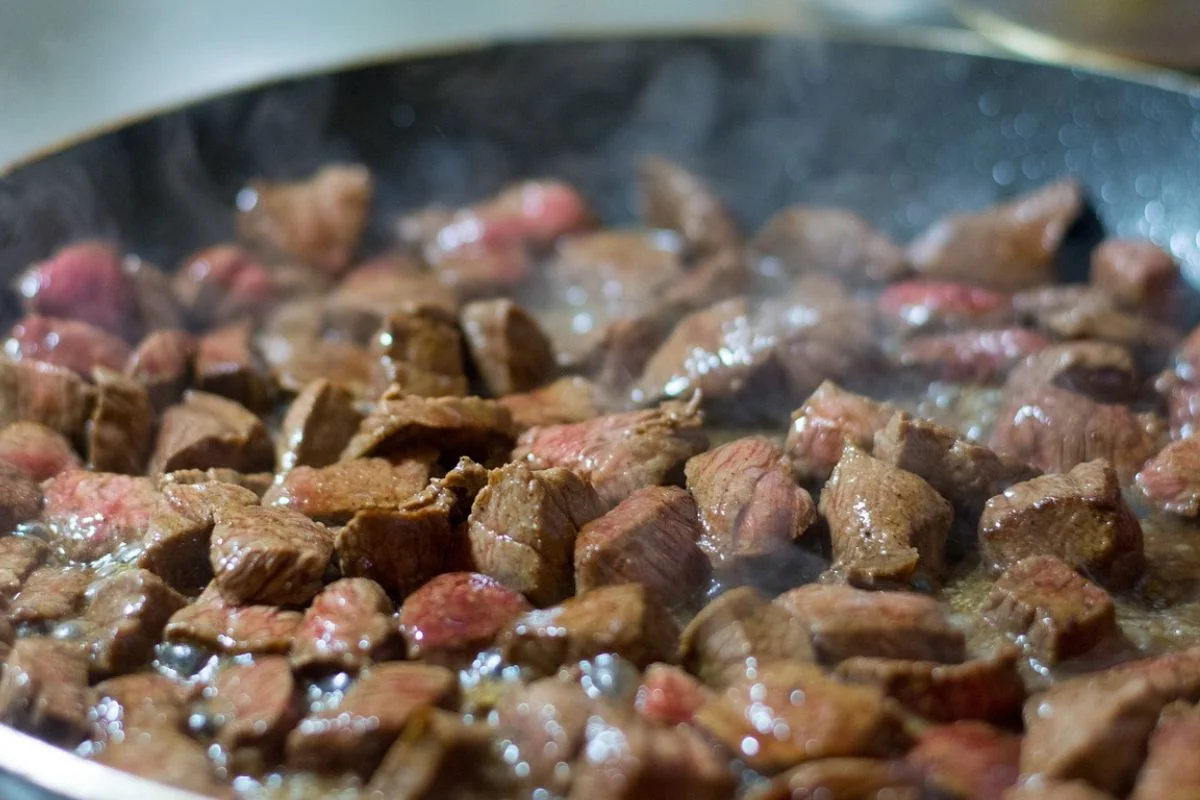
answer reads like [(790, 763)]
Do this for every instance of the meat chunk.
[(50, 594), (226, 364), (975, 356), (165, 756), (628, 270), (162, 364), (1170, 772), (546, 724), (36, 452), (35, 391), (1079, 517), (625, 619), (943, 305), (802, 239), (1092, 314), (93, 513), (213, 622), (1101, 370), (673, 198), (1057, 611), (20, 500), (845, 622), (250, 708), (888, 526), (649, 538), (121, 428), (454, 616), (369, 295), (968, 759), (510, 350), (619, 453), (1171, 480), (83, 281), (269, 555), (670, 695), (1008, 247), (318, 220), (44, 690), (454, 426), (125, 617), (523, 527), (140, 701), (1183, 408), (1039, 789), (1137, 274), (207, 431), (19, 557), (845, 777), (422, 353), (566, 400), (348, 626), (485, 271), (76, 346), (335, 493), (318, 426), (346, 364), (222, 284), (829, 418)]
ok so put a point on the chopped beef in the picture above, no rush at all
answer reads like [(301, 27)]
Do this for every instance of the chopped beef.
[(140, 701), (93, 513), (356, 733), (566, 400), (615, 354), (670, 695), (619, 453), (19, 557), (318, 220), (523, 528), (44, 690), (1079, 516), (154, 298), (361, 303), (250, 708), (942, 305), (803, 239), (335, 493), (1057, 612), (125, 617), (545, 723), (269, 555), (1010, 246), (454, 426), (256, 483), (76, 346), (888, 526), (1171, 771), (318, 426), (974, 356), (625, 619), (207, 431), (1040, 789), (1101, 370), (1171, 480), (621, 269), (36, 452), (34, 391), (422, 353), (166, 756), (509, 349), (222, 284), (675, 199), (121, 428), (83, 281), (845, 622), (212, 621), (348, 626), (485, 271), (829, 418), (1183, 408), (20, 500), (968, 759), (226, 365), (162, 363), (858, 778), (1095, 315), (454, 616), (649, 538), (1137, 274), (346, 364), (50, 594)]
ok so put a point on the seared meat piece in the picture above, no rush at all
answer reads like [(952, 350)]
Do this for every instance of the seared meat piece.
[(649, 538), (510, 351), (619, 453), (486, 271), (1101, 370), (35, 452), (1171, 480), (167, 756), (829, 418), (156, 307), (213, 622), (35, 391), (20, 500), (888, 526), (269, 555), (50, 594), (121, 428), (943, 305), (206, 431), (670, 695), (162, 363), (44, 690), (1079, 516), (803, 239), (250, 708), (94, 513), (1056, 611), (674, 198), (844, 777), (335, 493), (440, 756), (545, 723), (85, 282), (1170, 771), (625, 619), (1010, 246), (222, 284), (968, 759), (421, 352), (1095, 315), (125, 617), (454, 616), (362, 302), (19, 557), (318, 220), (974, 356), (1183, 407), (617, 351), (569, 399), (76, 346), (628, 270), (318, 426), (140, 701), (346, 364), (1136, 273), (845, 622), (227, 365), (523, 527), (454, 426), (348, 626), (740, 628)]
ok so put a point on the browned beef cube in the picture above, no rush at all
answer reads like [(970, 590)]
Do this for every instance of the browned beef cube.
[(1040, 789), (20, 500), (250, 708), (44, 690), (1057, 611), (94, 513), (348, 626), (626, 268), (649, 538), (1009, 246), (256, 483), (888, 526), (335, 493), (318, 426), (546, 723), (36, 452), (121, 427), (675, 199), (83, 281), (802, 239), (76, 346), (845, 777), (1101, 370), (1095, 315), (808, 716), (366, 297), (510, 350), (166, 756), (669, 695), (346, 364), (207, 431), (739, 628), (19, 557), (965, 473), (569, 399), (523, 527), (454, 616), (422, 353), (1183, 405), (968, 759), (222, 284), (975, 356), (829, 418), (624, 619), (923, 304), (1171, 771), (1079, 517), (49, 594), (212, 621), (1136, 273), (35, 391), (162, 363), (355, 734), (454, 426), (1171, 480), (318, 220), (620, 453), (846, 622), (140, 701), (125, 617), (154, 297), (269, 555), (227, 365)]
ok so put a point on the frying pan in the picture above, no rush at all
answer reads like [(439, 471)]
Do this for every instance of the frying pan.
[(900, 134)]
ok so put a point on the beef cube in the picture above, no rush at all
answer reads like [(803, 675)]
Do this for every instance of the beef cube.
[(626, 620), (19, 557), (121, 428), (1057, 612), (140, 701), (1170, 480), (222, 284), (808, 716), (226, 365), (803, 239), (212, 622), (1039, 789), (454, 616), (335, 493), (975, 356), (943, 305), (255, 483), (1183, 407), (625, 269), (92, 514), (1170, 771), (1079, 517), (968, 759), (1137, 274), (566, 400), (546, 724), (318, 220), (620, 453), (35, 391), (162, 363), (1101, 370), (269, 555), (673, 198), (20, 500), (35, 452), (748, 502), (845, 777), (713, 276), (422, 353), (50, 594), (510, 351), (76, 346), (1008, 247), (348, 626), (485, 271), (670, 695), (207, 431), (166, 757), (888, 526), (649, 538), (346, 364), (355, 734), (44, 690), (454, 426), (125, 617), (370, 294), (83, 281), (318, 426), (523, 527), (965, 473), (250, 708), (845, 622), (829, 418), (1092, 314), (739, 630)]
